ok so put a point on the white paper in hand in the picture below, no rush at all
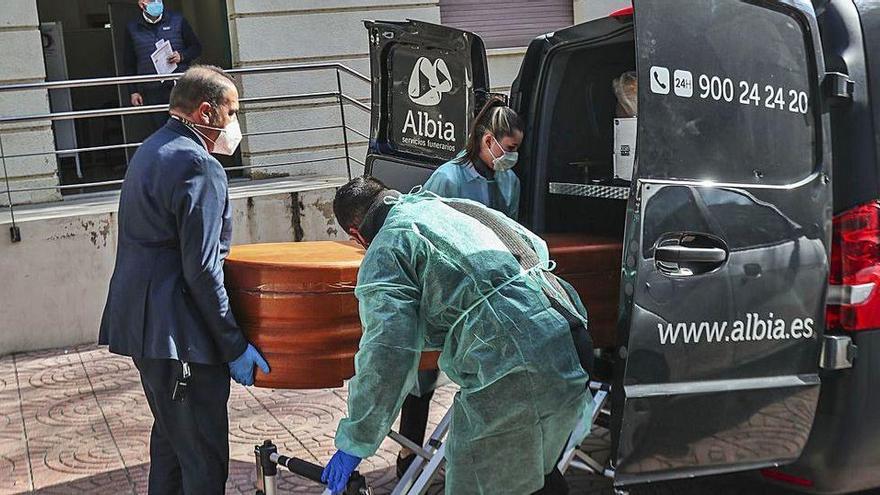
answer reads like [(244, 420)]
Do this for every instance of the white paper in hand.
[(160, 59)]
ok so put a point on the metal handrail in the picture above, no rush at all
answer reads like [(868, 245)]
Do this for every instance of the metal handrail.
[(243, 167), (355, 102), (359, 133), (342, 99), (112, 81), (113, 147), (126, 111)]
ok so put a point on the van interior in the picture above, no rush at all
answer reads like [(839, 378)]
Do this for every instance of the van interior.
[(584, 205)]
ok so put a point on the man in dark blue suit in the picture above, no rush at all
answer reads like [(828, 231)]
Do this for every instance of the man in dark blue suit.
[(167, 307)]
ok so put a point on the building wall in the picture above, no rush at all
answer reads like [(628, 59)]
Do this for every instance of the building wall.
[(21, 61), (271, 32), (55, 282), (587, 10)]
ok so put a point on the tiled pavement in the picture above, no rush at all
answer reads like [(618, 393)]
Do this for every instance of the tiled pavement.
[(77, 422)]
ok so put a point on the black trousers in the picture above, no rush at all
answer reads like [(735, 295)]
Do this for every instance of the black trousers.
[(189, 444), (414, 417), (554, 484)]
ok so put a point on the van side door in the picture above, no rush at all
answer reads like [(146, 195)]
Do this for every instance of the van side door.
[(725, 262)]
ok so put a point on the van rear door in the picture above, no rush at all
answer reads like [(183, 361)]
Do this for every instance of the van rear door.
[(428, 81), (725, 260)]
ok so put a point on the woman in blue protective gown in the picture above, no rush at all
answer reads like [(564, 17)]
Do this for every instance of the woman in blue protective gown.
[(481, 172)]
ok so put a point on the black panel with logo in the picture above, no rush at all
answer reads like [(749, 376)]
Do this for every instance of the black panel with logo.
[(429, 102), (427, 83)]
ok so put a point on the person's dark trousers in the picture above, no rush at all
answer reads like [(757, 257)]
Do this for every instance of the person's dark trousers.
[(414, 417), (189, 445), (554, 484), (158, 94)]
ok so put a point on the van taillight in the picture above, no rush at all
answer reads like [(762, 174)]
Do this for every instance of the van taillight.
[(777, 475), (853, 296), (624, 12)]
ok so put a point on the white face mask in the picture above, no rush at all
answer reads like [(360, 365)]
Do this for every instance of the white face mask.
[(228, 140), (506, 161)]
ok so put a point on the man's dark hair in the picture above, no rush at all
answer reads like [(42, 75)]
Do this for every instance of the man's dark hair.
[(199, 84), (354, 199)]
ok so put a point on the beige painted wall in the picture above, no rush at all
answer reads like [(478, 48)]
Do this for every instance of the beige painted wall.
[(21, 61), (266, 32), (54, 283), (269, 32)]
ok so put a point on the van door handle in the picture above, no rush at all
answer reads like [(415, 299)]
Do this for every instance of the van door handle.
[(684, 254)]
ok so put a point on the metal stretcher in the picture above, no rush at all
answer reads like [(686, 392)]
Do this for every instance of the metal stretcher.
[(573, 456), (429, 458)]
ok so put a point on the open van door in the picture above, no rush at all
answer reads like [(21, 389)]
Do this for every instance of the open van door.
[(725, 262), (428, 82)]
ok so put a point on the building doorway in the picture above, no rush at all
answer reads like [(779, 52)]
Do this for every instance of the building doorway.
[(85, 39)]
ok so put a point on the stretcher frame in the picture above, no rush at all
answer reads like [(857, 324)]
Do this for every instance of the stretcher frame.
[(429, 458), (573, 456)]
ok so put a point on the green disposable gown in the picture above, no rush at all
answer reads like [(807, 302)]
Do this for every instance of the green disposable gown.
[(434, 278)]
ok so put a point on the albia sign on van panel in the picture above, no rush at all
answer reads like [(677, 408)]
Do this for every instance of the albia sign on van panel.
[(429, 98)]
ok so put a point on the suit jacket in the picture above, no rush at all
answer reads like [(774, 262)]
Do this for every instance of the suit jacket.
[(167, 299)]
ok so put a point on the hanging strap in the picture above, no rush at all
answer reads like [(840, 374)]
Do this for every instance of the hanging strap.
[(528, 259)]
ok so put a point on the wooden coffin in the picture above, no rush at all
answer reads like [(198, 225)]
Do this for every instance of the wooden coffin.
[(592, 265), (296, 303)]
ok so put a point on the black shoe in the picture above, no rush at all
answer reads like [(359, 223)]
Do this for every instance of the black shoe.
[(403, 463)]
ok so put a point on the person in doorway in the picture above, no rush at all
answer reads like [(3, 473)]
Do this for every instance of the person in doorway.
[(482, 173), (143, 34), (626, 90), (167, 306), (454, 275)]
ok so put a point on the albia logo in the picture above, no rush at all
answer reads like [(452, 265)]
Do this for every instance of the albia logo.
[(428, 82)]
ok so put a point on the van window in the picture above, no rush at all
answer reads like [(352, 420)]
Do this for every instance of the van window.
[(673, 209), (726, 94), (743, 221), (746, 223)]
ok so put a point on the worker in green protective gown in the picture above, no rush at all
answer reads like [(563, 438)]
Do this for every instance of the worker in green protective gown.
[(435, 277), (482, 172)]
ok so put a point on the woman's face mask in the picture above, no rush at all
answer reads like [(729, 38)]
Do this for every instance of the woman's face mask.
[(506, 161)]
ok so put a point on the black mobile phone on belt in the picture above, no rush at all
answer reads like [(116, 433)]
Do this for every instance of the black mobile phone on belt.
[(178, 393)]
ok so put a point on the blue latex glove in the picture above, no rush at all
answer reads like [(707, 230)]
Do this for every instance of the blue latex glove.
[(242, 369), (338, 471)]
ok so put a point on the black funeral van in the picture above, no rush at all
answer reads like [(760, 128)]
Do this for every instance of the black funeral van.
[(739, 325)]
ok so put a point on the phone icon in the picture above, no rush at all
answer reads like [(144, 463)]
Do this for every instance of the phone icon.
[(660, 80)]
